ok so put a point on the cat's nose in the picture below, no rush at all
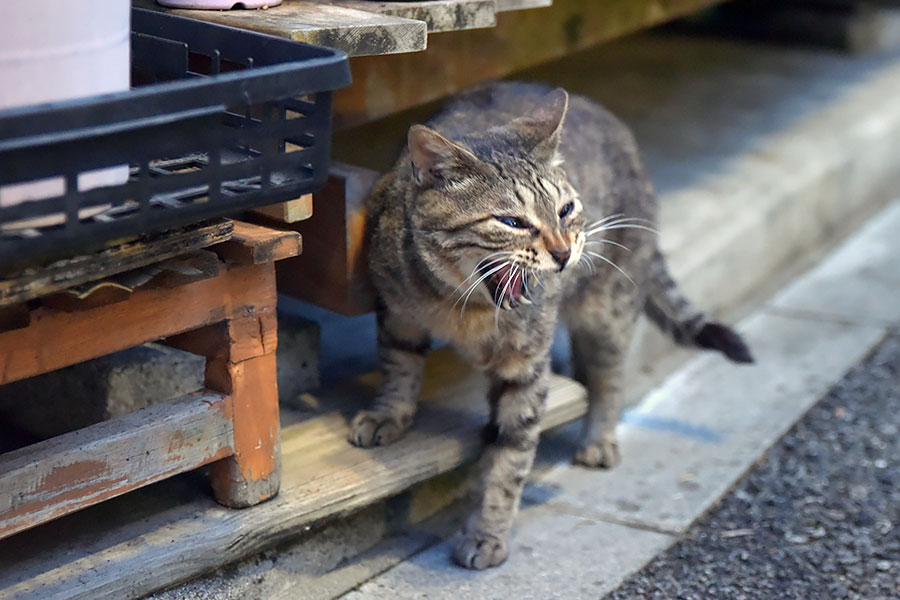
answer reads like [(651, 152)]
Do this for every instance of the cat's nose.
[(560, 254)]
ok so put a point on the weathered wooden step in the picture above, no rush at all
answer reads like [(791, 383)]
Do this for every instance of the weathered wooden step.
[(160, 541), (78, 469), (356, 32)]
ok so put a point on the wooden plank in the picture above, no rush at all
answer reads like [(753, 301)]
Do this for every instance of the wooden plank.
[(356, 32), (75, 470), (323, 477), (235, 340), (97, 294), (439, 15), (254, 244), (169, 273), (148, 315), (42, 281), (521, 39), (291, 211), (333, 271)]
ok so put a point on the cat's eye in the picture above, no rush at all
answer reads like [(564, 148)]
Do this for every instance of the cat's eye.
[(566, 209), (514, 222)]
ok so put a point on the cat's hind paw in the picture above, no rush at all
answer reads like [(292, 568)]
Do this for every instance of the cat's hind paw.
[(370, 428), (480, 551), (603, 454)]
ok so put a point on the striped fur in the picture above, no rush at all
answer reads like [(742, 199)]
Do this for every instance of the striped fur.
[(517, 205)]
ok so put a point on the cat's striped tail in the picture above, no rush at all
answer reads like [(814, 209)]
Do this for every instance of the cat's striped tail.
[(675, 315)]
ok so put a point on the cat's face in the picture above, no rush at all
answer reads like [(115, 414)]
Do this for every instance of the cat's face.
[(498, 209)]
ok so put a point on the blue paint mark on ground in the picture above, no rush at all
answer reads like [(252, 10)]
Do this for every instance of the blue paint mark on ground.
[(670, 425)]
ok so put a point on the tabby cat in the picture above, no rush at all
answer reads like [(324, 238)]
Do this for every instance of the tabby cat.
[(514, 206)]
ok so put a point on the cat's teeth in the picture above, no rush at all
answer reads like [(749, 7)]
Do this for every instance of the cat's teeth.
[(505, 305), (525, 300)]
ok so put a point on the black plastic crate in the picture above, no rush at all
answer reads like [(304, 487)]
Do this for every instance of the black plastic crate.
[(218, 120)]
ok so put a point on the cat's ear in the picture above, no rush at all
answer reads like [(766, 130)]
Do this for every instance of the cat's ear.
[(541, 129), (438, 161)]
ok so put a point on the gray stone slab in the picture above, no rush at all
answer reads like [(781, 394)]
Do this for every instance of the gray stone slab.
[(554, 554), (859, 282), (686, 444), (439, 15), (297, 357), (103, 388)]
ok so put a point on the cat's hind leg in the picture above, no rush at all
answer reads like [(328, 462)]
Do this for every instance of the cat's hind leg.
[(402, 347), (599, 346)]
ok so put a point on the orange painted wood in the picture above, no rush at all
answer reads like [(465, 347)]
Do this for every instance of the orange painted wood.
[(252, 473), (251, 334), (14, 316), (102, 294), (57, 339), (240, 362), (78, 469), (254, 244), (228, 314)]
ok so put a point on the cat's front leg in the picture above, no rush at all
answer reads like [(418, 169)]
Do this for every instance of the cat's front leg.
[(517, 404), (402, 346)]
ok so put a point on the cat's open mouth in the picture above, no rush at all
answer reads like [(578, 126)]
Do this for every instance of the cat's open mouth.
[(508, 287)]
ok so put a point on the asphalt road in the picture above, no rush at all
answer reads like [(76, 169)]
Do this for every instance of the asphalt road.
[(818, 518)]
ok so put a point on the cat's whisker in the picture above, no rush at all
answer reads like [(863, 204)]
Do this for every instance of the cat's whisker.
[(487, 262), (604, 220), (624, 220), (613, 265), (474, 286), (587, 261), (464, 297), (476, 271), (601, 227), (621, 226), (493, 254), (610, 242), (499, 304), (494, 269)]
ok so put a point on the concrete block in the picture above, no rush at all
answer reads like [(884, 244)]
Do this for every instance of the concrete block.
[(297, 357), (100, 389), (554, 554)]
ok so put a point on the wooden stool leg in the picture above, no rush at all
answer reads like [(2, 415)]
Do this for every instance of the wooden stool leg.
[(240, 362), (253, 473)]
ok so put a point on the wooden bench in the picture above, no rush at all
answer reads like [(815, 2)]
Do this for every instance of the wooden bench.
[(223, 310)]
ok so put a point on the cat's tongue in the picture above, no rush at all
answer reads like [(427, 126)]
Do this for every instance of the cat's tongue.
[(509, 287)]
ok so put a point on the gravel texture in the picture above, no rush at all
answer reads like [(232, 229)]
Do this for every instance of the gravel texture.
[(817, 518)]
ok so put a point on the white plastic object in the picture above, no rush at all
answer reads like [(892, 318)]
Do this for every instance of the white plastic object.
[(52, 50)]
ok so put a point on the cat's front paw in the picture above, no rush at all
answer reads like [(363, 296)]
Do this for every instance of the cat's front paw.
[(480, 551), (602, 454), (370, 428)]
